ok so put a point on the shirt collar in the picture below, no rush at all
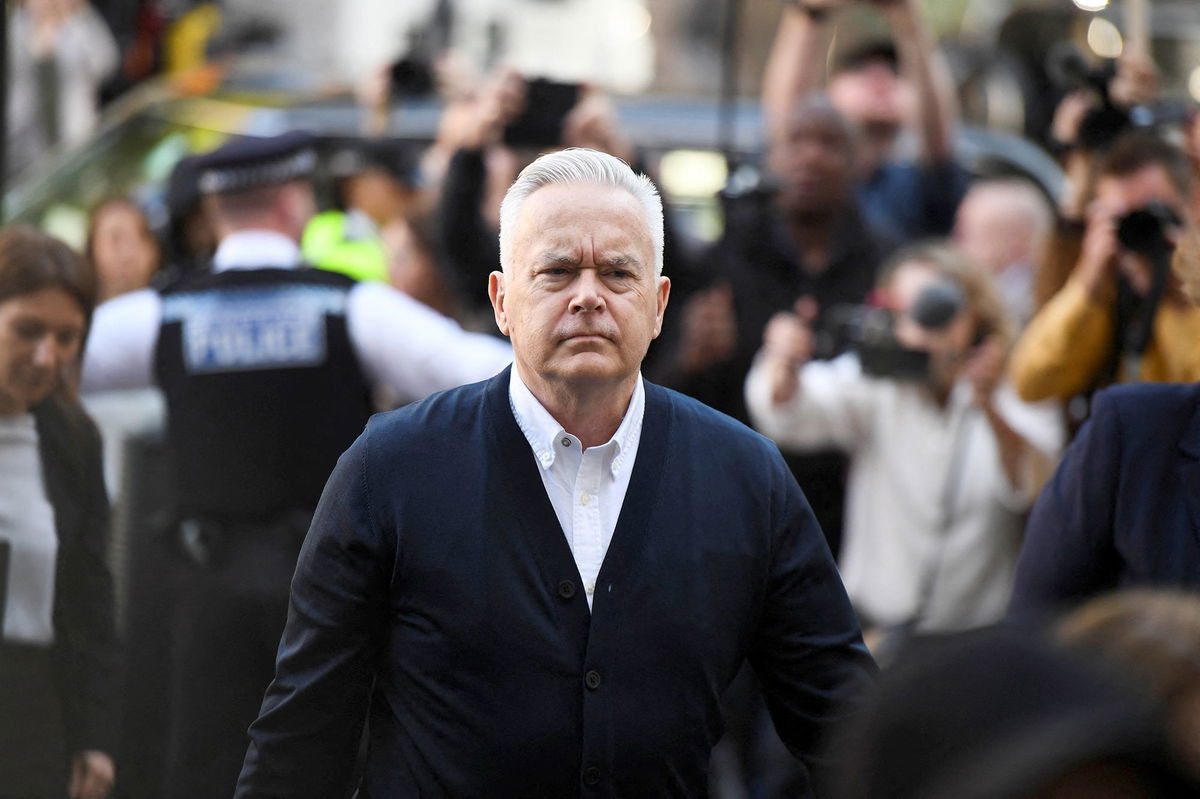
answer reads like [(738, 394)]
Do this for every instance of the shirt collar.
[(542, 430), (256, 249)]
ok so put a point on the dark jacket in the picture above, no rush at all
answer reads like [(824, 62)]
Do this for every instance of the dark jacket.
[(437, 583), (1123, 508), (758, 259), (85, 651)]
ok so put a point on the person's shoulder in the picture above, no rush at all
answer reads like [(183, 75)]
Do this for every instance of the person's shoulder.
[(133, 303), (436, 418), (1148, 405), (66, 429), (1144, 419), (719, 434)]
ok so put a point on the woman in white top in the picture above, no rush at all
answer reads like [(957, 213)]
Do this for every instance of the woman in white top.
[(57, 639), (946, 459)]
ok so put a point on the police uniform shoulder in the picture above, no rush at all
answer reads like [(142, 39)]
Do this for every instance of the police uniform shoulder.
[(249, 162)]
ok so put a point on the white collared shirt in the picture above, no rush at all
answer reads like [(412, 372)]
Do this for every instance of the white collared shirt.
[(586, 488), (401, 344)]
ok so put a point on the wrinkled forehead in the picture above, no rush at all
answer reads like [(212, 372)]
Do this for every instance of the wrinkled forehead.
[(571, 213)]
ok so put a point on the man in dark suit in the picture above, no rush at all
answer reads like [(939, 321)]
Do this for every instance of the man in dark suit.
[(1123, 508), (540, 585)]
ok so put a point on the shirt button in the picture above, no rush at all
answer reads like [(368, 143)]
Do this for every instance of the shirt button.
[(592, 680), (585, 499), (590, 588), (546, 457), (591, 776), (566, 442), (566, 589)]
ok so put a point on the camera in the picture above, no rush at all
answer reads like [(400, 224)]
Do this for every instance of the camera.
[(1144, 230), (870, 331), (1069, 69)]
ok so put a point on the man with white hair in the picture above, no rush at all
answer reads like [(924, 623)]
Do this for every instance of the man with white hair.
[(540, 585)]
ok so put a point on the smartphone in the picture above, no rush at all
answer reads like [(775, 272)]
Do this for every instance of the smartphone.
[(547, 103)]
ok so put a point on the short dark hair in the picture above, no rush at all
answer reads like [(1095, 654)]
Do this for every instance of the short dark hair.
[(31, 261), (1138, 149)]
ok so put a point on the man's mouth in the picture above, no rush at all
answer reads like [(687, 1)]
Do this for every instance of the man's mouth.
[(587, 335)]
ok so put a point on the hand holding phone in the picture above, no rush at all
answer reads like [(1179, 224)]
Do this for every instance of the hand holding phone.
[(540, 123)]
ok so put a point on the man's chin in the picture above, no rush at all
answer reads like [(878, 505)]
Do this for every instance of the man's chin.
[(589, 367)]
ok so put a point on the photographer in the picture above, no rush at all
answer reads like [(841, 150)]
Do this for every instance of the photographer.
[(801, 234), (887, 89), (1075, 342), (945, 459)]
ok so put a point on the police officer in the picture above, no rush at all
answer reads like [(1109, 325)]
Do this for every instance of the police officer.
[(267, 368)]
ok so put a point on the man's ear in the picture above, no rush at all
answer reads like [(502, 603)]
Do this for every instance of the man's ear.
[(496, 294), (664, 293)]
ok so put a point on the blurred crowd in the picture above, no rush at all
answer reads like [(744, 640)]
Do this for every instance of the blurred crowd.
[(932, 349)]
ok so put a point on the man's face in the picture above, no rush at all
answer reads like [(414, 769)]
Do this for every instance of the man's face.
[(1126, 193), (994, 230), (873, 96), (1118, 195), (580, 299), (812, 159), (40, 335)]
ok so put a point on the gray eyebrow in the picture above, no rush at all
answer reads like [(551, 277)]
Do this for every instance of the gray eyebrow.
[(620, 259), (555, 257)]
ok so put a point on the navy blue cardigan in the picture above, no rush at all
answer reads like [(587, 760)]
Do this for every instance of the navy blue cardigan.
[(437, 586)]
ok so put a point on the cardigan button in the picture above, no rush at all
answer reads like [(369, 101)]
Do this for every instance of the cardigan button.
[(592, 680), (591, 776), (566, 589)]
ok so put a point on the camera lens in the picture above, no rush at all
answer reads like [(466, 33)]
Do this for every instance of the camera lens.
[(938, 304)]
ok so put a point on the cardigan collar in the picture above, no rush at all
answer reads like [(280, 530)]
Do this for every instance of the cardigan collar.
[(542, 430), (536, 514)]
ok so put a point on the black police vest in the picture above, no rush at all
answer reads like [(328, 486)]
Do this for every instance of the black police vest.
[(263, 388)]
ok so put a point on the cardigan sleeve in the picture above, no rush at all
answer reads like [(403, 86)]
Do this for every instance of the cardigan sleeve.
[(807, 649), (307, 734)]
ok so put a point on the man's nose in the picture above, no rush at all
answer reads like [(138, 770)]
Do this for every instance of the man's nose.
[(588, 292)]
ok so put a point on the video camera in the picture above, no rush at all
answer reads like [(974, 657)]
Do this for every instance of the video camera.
[(870, 331)]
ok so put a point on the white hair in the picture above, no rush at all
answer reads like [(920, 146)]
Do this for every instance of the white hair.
[(580, 165)]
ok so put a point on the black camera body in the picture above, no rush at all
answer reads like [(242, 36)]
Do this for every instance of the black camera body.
[(1144, 230), (870, 331)]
